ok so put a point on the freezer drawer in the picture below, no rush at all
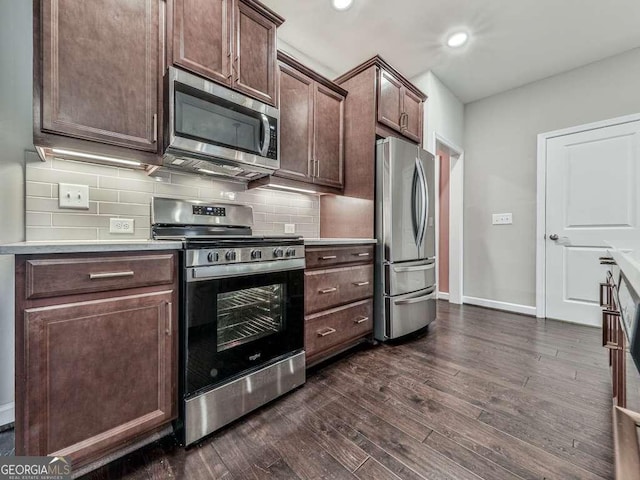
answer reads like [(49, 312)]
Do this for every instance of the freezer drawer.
[(409, 277), (407, 313)]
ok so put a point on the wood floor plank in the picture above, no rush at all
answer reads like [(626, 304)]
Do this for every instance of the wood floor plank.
[(372, 470), (485, 394)]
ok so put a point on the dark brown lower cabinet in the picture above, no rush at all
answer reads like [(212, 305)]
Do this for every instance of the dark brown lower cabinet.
[(338, 299), (95, 372)]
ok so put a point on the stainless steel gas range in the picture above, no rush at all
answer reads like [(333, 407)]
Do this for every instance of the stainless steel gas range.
[(242, 312)]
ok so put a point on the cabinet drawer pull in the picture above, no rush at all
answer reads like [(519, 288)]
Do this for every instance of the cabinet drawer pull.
[(361, 254), (329, 257), (329, 290), (360, 320), (361, 284), (325, 332), (98, 276)]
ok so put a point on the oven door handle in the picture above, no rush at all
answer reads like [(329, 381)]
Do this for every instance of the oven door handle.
[(264, 147), (214, 272)]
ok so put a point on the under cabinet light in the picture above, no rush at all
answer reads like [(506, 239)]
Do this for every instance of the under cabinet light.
[(293, 189), (91, 156)]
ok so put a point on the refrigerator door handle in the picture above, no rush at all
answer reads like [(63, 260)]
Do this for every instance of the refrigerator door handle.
[(418, 268), (424, 202), (409, 301), (414, 206)]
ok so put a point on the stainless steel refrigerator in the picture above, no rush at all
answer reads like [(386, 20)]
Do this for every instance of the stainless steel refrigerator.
[(405, 229)]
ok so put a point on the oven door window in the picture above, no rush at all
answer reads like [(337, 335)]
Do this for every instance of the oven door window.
[(248, 315), (216, 121), (238, 324)]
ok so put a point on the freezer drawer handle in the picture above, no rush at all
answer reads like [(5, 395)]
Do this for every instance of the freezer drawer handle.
[(329, 257), (409, 301), (361, 254), (360, 320), (327, 331), (329, 290), (98, 276), (361, 284), (417, 268)]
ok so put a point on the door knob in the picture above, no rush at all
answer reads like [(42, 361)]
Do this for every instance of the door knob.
[(554, 236)]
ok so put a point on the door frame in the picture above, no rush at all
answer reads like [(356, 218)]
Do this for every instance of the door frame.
[(456, 218), (541, 196)]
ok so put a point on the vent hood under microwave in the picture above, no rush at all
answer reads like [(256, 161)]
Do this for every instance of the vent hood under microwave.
[(216, 131)]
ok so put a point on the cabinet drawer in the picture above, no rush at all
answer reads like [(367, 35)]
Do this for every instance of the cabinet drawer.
[(326, 289), (52, 277), (331, 256), (329, 329)]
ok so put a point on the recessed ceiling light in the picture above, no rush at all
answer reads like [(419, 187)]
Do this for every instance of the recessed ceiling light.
[(341, 4), (457, 39)]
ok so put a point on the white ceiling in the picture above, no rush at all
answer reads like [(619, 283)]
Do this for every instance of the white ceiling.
[(513, 42)]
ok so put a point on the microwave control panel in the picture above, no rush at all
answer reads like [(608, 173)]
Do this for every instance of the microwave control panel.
[(209, 210)]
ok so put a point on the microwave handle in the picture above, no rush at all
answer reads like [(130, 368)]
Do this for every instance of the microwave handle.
[(264, 148)]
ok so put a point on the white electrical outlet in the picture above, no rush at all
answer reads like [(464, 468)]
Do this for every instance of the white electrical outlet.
[(73, 196), (502, 218), (289, 228), (121, 225)]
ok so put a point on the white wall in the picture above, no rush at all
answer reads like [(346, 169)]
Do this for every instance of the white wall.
[(307, 60), (15, 136), (444, 113), (500, 166)]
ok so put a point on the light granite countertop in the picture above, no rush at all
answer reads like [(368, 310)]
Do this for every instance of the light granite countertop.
[(312, 242), (88, 246)]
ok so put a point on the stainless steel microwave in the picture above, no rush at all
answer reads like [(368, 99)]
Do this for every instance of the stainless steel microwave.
[(211, 129)]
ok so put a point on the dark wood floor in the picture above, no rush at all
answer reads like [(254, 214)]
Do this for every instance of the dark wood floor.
[(485, 395)]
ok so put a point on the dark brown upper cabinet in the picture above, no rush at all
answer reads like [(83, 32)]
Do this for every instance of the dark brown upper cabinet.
[(296, 125), (328, 137), (232, 42), (202, 37), (399, 105), (96, 76), (311, 129)]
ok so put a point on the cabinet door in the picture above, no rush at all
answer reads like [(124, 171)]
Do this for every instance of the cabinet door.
[(97, 374), (328, 137), (412, 108), (100, 70), (255, 54), (389, 100), (202, 37), (296, 125)]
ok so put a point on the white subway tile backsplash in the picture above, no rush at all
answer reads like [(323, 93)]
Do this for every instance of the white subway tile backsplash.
[(39, 234), (36, 219), (127, 193), (34, 189), (116, 183), (124, 209)]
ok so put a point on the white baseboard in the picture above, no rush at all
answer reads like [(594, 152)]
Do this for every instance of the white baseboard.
[(7, 413), (443, 296), (509, 307)]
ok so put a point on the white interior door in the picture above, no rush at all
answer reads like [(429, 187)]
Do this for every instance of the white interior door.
[(592, 198)]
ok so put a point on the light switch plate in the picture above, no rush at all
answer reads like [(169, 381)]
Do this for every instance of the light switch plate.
[(73, 196), (502, 218), (289, 228), (121, 225)]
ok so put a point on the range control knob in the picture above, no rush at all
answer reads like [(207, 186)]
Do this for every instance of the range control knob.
[(291, 252), (230, 255), (256, 254), (278, 253), (213, 257)]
